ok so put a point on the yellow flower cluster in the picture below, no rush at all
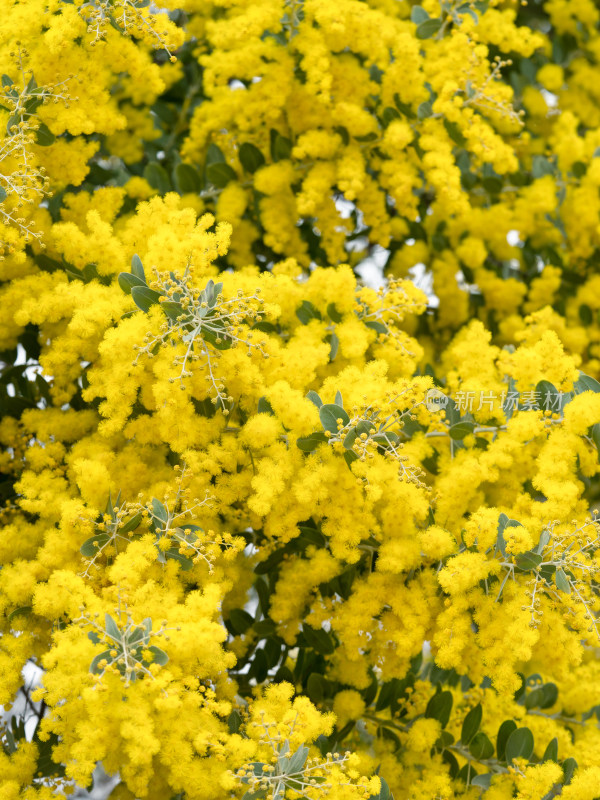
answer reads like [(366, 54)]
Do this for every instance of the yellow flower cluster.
[(269, 531)]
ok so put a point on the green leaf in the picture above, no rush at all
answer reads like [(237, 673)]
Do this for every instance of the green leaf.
[(333, 314), (428, 28), (542, 543), (309, 443), (281, 147), (306, 312), (138, 635), (174, 310), (2, 194), (384, 792), (319, 640), (219, 174), (368, 137), (389, 115), (376, 326), (7, 80), (549, 695), (91, 546), (529, 561), (329, 415), (459, 430), (214, 155), (109, 506), (562, 582), (314, 398), (449, 759), (265, 628), (534, 699), (159, 511), (259, 795), (519, 745), (455, 134), (339, 400), (483, 781), (111, 627), (104, 656), (24, 611), (595, 435), (251, 157), (46, 767), (137, 268), (492, 184), (240, 620), (13, 120), (404, 108), (541, 166), (234, 720), (44, 136), (296, 762), (349, 457), (387, 695), (504, 732), (471, 724), (132, 524), (316, 687), (585, 314), (569, 766), (184, 562), (418, 15), (503, 523), (128, 281), (218, 338), (343, 132), (585, 384), (439, 707), (424, 110), (144, 297), (364, 426), (187, 179), (158, 656), (157, 177), (480, 747), (264, 407), (334, 344), (445, 740), (551, 751)]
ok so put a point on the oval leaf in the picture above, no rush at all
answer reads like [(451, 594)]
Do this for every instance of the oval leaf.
[(44, 136), (562, 582), (461, 429), (471, 724), (551, 751), (220, 174), (519, 745), (91, 546), (158, 656), (480, 747), (439, 707), (428, 28), (528, 561), (329, 415), (309, 443), (144, 297), (137, 269), (251, 157), (127, 281), (187, 179), (505, 730)]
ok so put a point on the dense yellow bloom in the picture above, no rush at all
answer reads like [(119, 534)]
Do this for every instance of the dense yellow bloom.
[(267, 527)]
